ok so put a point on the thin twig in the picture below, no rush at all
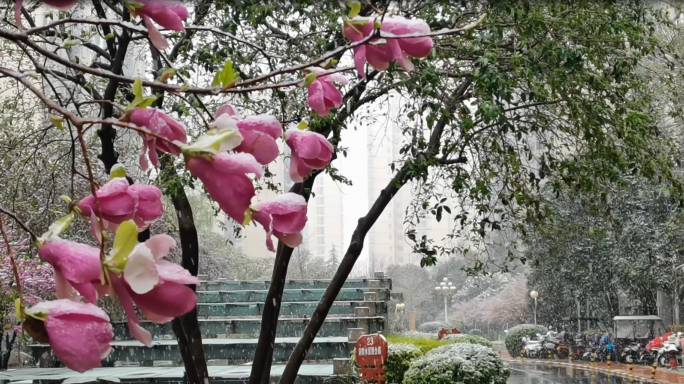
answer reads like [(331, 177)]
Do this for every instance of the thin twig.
[(21, 223), (10, 253)]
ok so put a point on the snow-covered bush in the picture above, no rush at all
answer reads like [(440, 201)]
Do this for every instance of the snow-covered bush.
[(399, 358), (458, 363), (514, 337), (472, 339), (420, 335)]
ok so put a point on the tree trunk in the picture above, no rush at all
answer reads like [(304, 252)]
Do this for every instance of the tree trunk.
[(263, 356), (186, 327)]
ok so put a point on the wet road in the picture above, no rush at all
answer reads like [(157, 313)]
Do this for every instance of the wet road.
[(543, 373)]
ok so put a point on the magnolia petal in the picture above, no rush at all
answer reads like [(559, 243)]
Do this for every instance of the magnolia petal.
[(226, 109), (169, 271), (260, 145), (139, 333), (153, 317), (360, 60), (78, 340), (17, 13), (167, 299), (156, 38), (143, 156), (333, 96), (292, 240), (294, 171), (160, 245), (64, 290), (140, 271), (316, 98), (262, 123)]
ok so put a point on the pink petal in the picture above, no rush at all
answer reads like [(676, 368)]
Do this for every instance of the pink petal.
[(316, 99), (226, 109), (417, 47), (143, 156), (79, 341), (17, 13), (305, 143), (167, 299), (150, 205), (78, 263), (173, 272), (61, 4), (262, 123), (139, 333), (122, 292), (237, 163), (160, 245), (377, 57), (260, 145), (295, 165), (338, 77), (156, 38), (96, 227), (68, 307), (153, 317), (360, 60), (333, 96), (292, 240), (64, 290)]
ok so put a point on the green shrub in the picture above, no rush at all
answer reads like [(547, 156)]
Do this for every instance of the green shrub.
[(458, 363), (399, 358), (472, 339), (424, 344), (514, 337)]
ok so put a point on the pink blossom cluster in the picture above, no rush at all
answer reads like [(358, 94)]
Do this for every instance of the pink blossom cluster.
[(226, 159)]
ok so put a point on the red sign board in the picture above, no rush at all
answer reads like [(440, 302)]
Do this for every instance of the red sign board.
[(371, 354), (445, 331)]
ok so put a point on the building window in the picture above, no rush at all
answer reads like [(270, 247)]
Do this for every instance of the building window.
[(320, 210), (400, 248), (320, 230), (320, 220)]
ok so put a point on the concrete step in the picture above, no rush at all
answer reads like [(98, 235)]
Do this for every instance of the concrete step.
[(301, 294), (218, 374), (227, 285), (300, 308), (227, 351), (287, 327)]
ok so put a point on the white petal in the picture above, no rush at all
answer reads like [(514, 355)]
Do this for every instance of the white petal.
[(141, 270)]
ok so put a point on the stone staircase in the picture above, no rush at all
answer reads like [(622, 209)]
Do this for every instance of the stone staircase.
[(230, 321)]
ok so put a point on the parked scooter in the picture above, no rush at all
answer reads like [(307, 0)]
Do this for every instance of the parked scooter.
[(670, 351), (532, 347)]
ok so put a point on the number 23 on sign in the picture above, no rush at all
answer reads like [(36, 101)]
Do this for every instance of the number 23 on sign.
[(371, 354)]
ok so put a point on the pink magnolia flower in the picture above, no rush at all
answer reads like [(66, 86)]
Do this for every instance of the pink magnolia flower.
[(169, 14), (120, 202), (225, 177), (284, 217), (310, 150), (77, 266), (156, 286), (59, 4), (259, 133), (380, 53), (323, 96), (78, 333), (161, 124)]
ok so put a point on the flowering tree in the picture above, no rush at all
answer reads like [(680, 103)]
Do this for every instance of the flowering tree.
[(224, 82), (37, 285)]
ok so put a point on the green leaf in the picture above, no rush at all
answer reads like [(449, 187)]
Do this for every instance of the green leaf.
[(209, 143), (57, 121), (303, 125), (146, 102), (57, 228), (167, 74), (137, 87), (217, 79), (109, 36), (66, 198), (355, 7), (71, 43), (310, 78), (125, 240), (227, 75), (118, 170)]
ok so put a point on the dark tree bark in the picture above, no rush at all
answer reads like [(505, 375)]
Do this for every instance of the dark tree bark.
[(7, 354)]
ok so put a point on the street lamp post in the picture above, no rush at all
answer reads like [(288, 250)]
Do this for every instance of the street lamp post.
[(445, 288), (534, 295)]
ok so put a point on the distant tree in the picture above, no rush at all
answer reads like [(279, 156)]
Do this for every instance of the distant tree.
[(333, 261)]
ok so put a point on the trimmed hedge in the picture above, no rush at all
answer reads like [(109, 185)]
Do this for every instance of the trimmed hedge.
[(514, 337), (472, 339), (399, 358), (424, 344), (458, 363)]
